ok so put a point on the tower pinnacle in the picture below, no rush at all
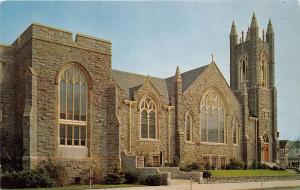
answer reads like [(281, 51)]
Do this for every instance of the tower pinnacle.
[(270, 27), (233, 31), (178, 75), (254, 23)]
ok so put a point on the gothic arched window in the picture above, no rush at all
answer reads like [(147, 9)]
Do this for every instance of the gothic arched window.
[(263, 70), (212, 118), (235, 131), (72, 107), (189, 127), (243, 68), (148, 112)]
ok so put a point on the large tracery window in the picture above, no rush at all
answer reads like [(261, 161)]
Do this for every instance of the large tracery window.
[(212, 118), (263, 70), (148, 113), (189, 127), (243, 68), (235, 131), (73, 107)]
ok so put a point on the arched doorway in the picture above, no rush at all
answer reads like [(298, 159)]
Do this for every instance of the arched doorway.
[(266, 149)]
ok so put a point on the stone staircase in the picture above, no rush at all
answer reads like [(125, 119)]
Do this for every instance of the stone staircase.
[(134, 163)]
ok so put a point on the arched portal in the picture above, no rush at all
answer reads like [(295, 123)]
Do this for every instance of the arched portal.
[(266, 149)]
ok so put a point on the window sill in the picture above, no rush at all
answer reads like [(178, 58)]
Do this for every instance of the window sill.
[(190, 142), (213, 144), (236, 145), (149, 140)]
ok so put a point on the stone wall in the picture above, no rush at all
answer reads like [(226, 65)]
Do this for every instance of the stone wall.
[(8, 103)]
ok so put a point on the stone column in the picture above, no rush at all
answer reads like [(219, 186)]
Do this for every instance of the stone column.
[(30, 120), (179, 118)]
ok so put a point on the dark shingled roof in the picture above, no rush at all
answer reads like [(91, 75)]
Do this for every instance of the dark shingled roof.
[(187, 79), (131, 82)]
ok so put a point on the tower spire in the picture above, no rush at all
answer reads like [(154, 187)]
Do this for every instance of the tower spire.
[(233, 31), (254, 28), (248, 34), (270, 27), (178, 75), (254, 23)]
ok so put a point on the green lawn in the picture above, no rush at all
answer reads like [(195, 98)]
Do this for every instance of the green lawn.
[(79, 187), (234, 173)]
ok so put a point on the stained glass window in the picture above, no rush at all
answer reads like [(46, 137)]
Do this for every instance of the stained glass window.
[(148, 119)]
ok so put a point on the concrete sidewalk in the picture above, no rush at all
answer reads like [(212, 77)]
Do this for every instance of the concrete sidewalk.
[(185, 185)]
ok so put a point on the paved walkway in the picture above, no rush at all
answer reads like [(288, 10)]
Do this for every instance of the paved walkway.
[(185, 185)]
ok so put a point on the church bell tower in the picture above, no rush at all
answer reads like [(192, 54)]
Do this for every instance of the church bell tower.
[(252, 79)]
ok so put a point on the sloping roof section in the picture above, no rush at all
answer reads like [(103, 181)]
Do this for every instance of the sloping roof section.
[(131, 82), (187, 79)]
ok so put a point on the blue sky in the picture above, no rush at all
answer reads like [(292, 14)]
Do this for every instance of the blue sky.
[(154, 37)]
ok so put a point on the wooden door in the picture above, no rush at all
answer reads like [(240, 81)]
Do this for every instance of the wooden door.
[(266, 153)]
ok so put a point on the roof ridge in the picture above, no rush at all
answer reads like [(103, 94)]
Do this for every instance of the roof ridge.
[(137, 74), (189, 71)]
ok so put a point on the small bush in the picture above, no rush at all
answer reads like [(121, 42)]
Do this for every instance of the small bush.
[(207, 166), (206, 174), (57, 172), (263, 166), (152, 180), (235, 165), (176, 161), (192, 166), (185, 169), (131, 178), (115, 176), (26, 179)]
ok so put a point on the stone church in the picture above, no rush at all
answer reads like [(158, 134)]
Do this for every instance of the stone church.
[(62, 101)]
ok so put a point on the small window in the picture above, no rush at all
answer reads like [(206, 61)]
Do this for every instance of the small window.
[(214, 162), (189, 127), (155, 161), (205, 159), (223, 163), (235, 131)]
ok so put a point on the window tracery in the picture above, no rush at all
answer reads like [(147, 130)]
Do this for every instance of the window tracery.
[(212, 118), (72, 107), (148, 112)]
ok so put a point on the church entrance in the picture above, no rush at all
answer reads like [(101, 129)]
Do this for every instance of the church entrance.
[(266, 149)]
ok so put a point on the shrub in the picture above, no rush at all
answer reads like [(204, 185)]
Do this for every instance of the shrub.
[(176, 161), (152, 180), (131, 178), (207, 166), (254, 165), (191, 167), (57, 172), (206, 174), (235, 165), (263, 166), (26, 179), (185, 169), (115, 176), (195, 166)]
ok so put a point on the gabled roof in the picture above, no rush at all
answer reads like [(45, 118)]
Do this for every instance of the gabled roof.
[(131, 82), (187, 79)]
